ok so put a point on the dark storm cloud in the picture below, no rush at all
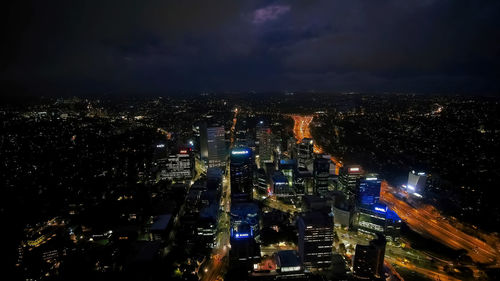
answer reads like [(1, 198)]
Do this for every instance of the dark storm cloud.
[(166, 46)]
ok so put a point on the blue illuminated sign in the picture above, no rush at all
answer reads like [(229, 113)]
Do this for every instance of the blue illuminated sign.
[(241, 235), (239, 152), (381, 208)]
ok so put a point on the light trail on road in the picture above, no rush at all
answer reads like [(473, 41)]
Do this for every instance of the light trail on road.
[(428, 221), (215, 265), (301, 130), (435, 275)]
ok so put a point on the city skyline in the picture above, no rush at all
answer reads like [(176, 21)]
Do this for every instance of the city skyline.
[(132, 191), (245, 140)]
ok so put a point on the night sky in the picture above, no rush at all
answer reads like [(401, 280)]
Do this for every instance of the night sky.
[(80, 47)]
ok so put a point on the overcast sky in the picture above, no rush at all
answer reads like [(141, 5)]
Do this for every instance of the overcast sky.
[(164, 47)]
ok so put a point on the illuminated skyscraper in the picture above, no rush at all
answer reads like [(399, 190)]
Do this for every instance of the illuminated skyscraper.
[(288, 167), (213, 145), (369, 190), (202, 131), (321, 174), (416, 183), (244, 230), (264, 136), (349, 181), (261, 182), (291, 144), (304, 152), (315, 240), (379, 219), (179, 166), (280, 185), (241, 171)]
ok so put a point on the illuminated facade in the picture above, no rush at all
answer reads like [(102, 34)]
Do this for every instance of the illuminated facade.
[(288, 262), (280, 185), (245, 214), (343, 215), (244, 229), (241, 171), (369, 190), (205, 230), (261, 181), (315, 240), (416, 183), (213, 145), (304, 152), (288, 167), (349, 181), (179, 166), (302, 181), (264, 136), (379, 219), (321, 174)]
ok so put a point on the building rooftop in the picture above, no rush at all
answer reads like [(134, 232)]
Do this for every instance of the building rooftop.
[(279, 177), (317, 218), (245, 207), (287, 258)]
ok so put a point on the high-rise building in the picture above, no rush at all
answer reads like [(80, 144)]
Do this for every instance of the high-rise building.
[(214, 179), (315, 240), (321, 172), (244, 230), (244, 212), (304, 152), (206, 229), (277, 149), (280, 185), (343, 212), (288, 262), (348, 181), (379, 219), (245, 251), (416, 183), (241, 132), (179, 166), (202, 131), (264, 137), (213, 145), (303, 181), (288, 167), (241, 171), (261, 182), (369, 189), (368, 260), (291, 144)]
